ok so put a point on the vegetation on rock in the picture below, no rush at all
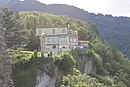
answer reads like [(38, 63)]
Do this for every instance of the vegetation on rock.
[(114, 30)]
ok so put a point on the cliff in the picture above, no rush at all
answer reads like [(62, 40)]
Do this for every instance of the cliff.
[(53, 73)]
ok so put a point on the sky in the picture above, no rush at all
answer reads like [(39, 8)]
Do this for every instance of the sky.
[(113, 7)]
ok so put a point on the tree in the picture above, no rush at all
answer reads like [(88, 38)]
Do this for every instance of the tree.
[(15, 34), (33, 42)]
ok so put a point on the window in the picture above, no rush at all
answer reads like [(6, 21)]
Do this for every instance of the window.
[(53, 31), (71, 39), (54, 46), (60, 39), (75, 40), (54, 39), (49, 40), (65, 39), (63, 31)]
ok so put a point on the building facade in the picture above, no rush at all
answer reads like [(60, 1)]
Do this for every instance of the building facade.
[(57, 39)]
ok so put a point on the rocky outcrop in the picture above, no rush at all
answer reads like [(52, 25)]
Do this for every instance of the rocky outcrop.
[(53, 74), (47, 80), (85, 64), (5, 61), (89, 66)]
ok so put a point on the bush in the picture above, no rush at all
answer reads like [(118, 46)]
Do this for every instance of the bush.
[(105, 80), (35, 54), (81, 80), (65, 62)]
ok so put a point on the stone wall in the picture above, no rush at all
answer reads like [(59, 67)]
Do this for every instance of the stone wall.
[(5, 61)]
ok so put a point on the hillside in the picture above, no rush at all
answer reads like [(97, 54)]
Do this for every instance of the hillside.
[(98, 66), (106, 66), (114, 30)]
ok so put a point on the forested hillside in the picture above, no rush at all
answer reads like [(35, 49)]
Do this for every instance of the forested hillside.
[(110, 66), (114, 30)]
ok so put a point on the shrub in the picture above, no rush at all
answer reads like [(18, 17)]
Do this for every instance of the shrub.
[(35, 54), (65, 62)]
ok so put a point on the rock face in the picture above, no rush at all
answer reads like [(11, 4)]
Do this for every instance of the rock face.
[(86, 64), (44, 80), (47, 79), (5, 62), (89, 66)]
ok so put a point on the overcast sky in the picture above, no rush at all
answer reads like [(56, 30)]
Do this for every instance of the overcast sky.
[(114, 7)]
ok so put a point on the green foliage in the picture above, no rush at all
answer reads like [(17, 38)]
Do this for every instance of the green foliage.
[(15, 33), (68, 62), (24, 77), (39, 19), (105, 80), (32, 42), (80, 56), (65, 62), (75, 72), (108, 63), (114, 30), (35, 54), (112, 67), (25, 67), (97, 60), (122, 76), (112, 62), (18, 56), (81, 80), (21, 27), (21, 56)]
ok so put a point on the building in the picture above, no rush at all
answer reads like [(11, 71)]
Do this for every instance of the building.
[(84, 44), (57, 39)]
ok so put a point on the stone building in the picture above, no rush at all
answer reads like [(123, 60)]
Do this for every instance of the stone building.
[(57, 39)]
